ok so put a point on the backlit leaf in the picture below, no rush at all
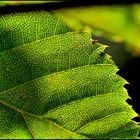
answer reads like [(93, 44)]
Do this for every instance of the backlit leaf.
[(57, 84)]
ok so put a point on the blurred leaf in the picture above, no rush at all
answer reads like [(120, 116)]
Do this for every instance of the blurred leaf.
[(20, 2), (118, 23), (57, 84)]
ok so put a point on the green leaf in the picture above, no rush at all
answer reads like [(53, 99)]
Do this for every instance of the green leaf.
[(5, 3), (24, 28), (116, 23), (57, 84)]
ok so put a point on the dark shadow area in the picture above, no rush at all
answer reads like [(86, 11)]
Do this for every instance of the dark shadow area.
[(115, 50), (131, 72), (64, 4)]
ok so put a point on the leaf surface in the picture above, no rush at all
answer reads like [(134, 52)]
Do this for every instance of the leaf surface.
[(58, 84)]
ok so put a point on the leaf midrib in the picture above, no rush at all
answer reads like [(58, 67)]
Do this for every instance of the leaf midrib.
[(39, 117), (52, 122)]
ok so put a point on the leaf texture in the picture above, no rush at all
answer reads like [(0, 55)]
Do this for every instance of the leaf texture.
[(56, 84)]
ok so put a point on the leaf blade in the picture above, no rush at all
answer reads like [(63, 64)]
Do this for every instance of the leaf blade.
[(81, 87)]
